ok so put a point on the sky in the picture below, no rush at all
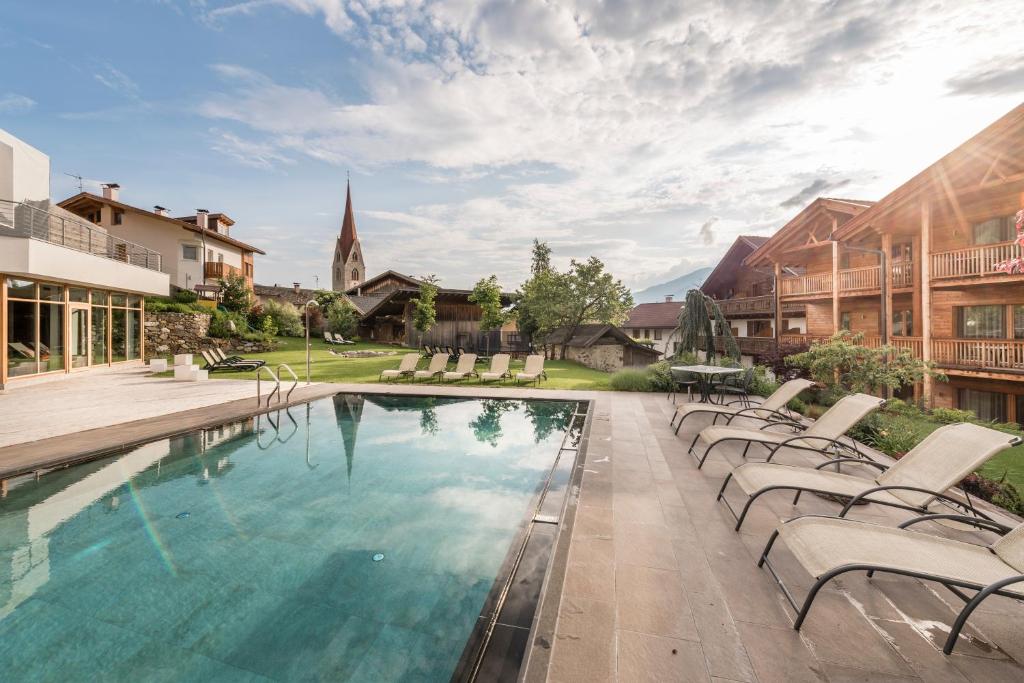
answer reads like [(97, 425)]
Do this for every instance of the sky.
[(648, 134)]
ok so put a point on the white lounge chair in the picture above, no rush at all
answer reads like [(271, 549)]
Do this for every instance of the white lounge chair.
[(405, 368), (438, 362), (329, 338), (533, 370), (916, 482), (827, 547), (825, 433), (338, 339), (769, 410), (463, 368), (499, 369)]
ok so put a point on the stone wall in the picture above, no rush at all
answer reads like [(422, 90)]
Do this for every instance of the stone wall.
[(606, 357), (170, 333)]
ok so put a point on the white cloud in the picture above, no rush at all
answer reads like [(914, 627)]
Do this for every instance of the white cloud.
[(13, 103), (653, 116)]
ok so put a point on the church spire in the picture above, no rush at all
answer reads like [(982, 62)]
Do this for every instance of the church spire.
[(348, 269), (348, 224)]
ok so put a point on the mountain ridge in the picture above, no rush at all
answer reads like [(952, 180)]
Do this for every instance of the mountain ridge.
[(676, 287)]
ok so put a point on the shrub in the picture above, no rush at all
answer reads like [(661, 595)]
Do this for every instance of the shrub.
[(893, 434), (1001, 493), (631, 379), (343, 319), (762, 385), (159, 304), (797, 406), (185, 296), (948, 416), (234, 293), (659, 376), (285, 318), (224, 324)]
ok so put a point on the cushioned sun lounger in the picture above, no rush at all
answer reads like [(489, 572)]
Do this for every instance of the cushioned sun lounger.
[(827, 547), (338, 339), (405, 368), (463, 368), (237, 361), (769, 410), (918, 481), (329, 338), (499, 369), (438, 362), (533, 370), (825, 433)]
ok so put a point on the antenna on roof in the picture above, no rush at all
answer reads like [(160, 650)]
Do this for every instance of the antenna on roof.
[(81, 188)]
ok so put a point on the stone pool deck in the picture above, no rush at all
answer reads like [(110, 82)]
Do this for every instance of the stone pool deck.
[(650, 583)]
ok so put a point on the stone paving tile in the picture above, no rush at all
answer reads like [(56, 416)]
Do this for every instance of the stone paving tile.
[(593, 581), (778, 654), (723, 648), (652, 601), (593, 521), (592, 550), (645, 658), (645, 545), (584, 647)]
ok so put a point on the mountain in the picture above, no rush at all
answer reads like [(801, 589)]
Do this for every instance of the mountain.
[(677, 288)]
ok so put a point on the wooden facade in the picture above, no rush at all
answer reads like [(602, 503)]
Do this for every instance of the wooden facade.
[(944, 233)]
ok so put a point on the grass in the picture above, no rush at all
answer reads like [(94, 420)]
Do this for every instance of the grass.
[(326, 367)]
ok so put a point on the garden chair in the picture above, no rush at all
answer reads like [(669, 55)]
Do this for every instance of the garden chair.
[(438, 362), (533, 370), (915, 482), (680, 379), (769, 410), (737, 386), (248, 363), (213, 363), (823, 436), (328, 338), (463, 368), (499, 369), (338, 339), (405, 368), (827, 547), (427, 351)]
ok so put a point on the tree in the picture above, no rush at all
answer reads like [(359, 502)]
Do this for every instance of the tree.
[(424, 314), (343, 319), (326, 299), (234, 293), (526, 296), (588, 294), (700, 320), (541, 260), (285, 317), (487, 295), (431, 278)]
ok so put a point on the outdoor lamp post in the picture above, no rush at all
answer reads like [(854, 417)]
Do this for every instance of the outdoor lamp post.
[(306, 308)]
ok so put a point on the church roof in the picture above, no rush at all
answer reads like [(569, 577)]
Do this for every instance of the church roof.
[(348, 225)]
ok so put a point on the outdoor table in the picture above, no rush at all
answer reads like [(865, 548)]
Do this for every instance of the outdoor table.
[(706, 373)]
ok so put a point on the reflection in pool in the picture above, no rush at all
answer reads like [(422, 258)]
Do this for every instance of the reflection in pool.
[(248, 552)]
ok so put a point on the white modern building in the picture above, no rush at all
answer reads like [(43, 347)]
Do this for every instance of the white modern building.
[(71, 294)]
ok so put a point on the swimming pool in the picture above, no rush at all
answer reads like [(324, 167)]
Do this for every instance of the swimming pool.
[(358, 537)]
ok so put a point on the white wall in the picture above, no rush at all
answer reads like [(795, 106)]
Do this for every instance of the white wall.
[(24, 170)]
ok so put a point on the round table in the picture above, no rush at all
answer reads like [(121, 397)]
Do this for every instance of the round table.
[(707, 375)]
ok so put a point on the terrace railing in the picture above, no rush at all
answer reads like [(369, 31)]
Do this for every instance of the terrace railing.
[(902, 274), (1006, 354), (746, 305), (18, 219), (858, 278), (972, 261), (818, 283), (913, 344)]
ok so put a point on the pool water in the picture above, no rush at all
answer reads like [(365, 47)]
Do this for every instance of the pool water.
[(353, 538)]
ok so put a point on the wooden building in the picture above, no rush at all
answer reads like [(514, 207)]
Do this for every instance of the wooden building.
[(946, 235), (601, 346), (385, 303)]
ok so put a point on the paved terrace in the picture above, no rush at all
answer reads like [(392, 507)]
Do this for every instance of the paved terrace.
[(651, 583)]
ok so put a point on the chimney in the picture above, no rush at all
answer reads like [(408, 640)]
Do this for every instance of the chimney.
[(203, 218), (111, 191), (668, 298), (160, 210), (297, 286)]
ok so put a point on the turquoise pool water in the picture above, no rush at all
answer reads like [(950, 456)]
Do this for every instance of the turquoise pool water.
[(356, 538)]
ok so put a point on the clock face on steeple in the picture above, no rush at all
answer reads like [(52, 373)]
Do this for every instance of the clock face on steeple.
[(348, 267)]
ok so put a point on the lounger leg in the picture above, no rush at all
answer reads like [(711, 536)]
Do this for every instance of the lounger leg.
[(961, 618), (810, 598)]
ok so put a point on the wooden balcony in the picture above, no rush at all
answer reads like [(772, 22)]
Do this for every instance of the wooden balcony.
[(915, 345), (995, 354), (806, 285), (216, 270), (852, 279), (747, 305), (972, 261), (801, 339), (750, 346)]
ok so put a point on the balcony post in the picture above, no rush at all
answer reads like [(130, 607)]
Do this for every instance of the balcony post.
[(835, 287), (778, 301), (886, 266), (926, 294)]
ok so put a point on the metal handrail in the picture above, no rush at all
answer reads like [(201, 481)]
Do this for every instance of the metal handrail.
[(277, 384), (295, 381), (20, 219)]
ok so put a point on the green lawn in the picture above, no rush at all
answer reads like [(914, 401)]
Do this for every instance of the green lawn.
[(326, 367)]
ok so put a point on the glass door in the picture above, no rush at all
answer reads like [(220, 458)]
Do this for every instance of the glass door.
[(78, 346)]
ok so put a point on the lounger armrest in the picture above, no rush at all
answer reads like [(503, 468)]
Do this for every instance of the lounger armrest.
[(807, 437), (917, 489), (982, 523), (859, 461), (752, 412)]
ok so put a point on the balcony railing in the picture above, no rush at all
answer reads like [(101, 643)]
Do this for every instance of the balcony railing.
[(902, 274), (747, 304), (216, 270), (859, 278), (913, 344), (18, 219), (818, 283), (1006, 354), (973, 261), (751, 346), (791, 339)]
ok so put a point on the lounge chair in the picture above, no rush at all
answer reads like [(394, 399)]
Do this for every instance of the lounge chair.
[(824, 436), (328, 338), (828, 547), (682, 379), (463, 368), (405, 369), (338, 339), (213, 363), (499, 369), (769, 410), (243, 363), (438, 362), (427, 351), (915, 482), (533, 371)]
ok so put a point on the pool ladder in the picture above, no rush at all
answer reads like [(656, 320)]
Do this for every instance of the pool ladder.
[(276, 376)]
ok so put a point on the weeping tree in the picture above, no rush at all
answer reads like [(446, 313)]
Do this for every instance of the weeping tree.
[(700, 321)]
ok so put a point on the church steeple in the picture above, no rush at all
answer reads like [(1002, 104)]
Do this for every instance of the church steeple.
[(348, 268)]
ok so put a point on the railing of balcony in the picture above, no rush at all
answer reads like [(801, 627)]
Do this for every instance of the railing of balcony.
[(802, 338), (747, 304), (902, 274), (1007, 354), (18, 219), (913, 344), (818, 283), (973, 260), (859, 278), (216, 269), (751, 346)]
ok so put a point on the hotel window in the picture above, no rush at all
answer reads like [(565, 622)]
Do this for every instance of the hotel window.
[(759, 328), (189, 252), (989, 406), (647, 334), (118, 217), (657, 334), (125, 328), (903, 323), (844, 320), (99, 327), (999, 229), (981, 322), (1018, 322), (220, 258), (209, 255), (35, 327)]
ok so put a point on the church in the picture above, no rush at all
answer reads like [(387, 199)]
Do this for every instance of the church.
[(348, 268)]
